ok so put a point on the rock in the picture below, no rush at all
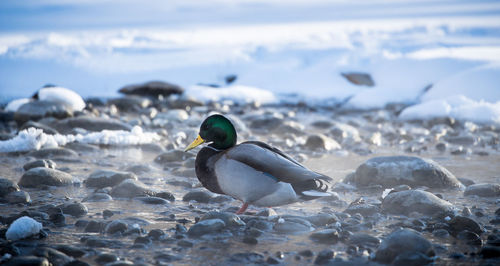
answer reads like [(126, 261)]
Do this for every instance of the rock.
[(247, 258), (293, 226), (390, 171), (325, 236), (107, 178), (362, 208), (490, 252), (206, 227), (324, 256), (94, 197), (130, 188), (41, 176), (466, 181), (94, 124), (441, 233), (466, 140), (23, 227), (54, 256), (40, 163), (82, 147), (74, 209), (363, 240), (483, 190), (73, 251), (266, 122), (151, 200), (461, 223), (198, 196), (344, 133), (358, 78), (166, 195), (470, 238), (321, 142), (412, 259), (46, 129), (322, 219), (403, 241), (230, 219), (173, 156), (53, 152), (116, 226), (18, 197), (152, 89), (408, 201), (28, 260), (37, 110), (130, 103), (94, 227), (139, 169), (156, 234), (7, 186)]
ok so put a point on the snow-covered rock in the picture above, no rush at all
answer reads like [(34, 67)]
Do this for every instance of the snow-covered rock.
[(23, 227), (62, 95)]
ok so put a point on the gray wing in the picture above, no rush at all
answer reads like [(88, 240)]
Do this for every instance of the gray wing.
[(275, 163)]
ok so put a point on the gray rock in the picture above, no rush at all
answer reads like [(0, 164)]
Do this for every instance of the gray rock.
[(152, 88), (461, 223), (411, 259), (230, 219), (362, 208), (483, 190), (391, 171), (206, 227), (466, 140), (408, 201), (267, 123), (403, 241), (130, 103), (198, 196), (41, 176), (37, 110), (15, 197), (344, 133), (54, 256), (322, 219), (7, 186), (246, 258), (358, 78), (67, 126), (46, 129), (74, 209), (130, 188), (94, 197), (139, 169), (53, 153), (94, 227), (40, 163), (151, 200), (321, 142), (293, 226), (82, 147), (107, 178), (28, 260), (116, 226), (173, 156), (325, 236), (363, 240)]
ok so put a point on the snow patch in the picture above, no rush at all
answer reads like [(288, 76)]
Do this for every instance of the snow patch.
[(34, 139), (23, 227), (13, 105), (62, 95)]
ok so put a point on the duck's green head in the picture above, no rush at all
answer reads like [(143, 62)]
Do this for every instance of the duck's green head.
[(216, 130)]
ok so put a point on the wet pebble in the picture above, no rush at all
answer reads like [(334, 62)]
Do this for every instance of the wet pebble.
[(230, 219), (37, 110), (483, 190), (28, 260), (40, 163), (41, 176), (54, 256), (363, 240), (73, 251), (247, 258), (130, 188), (461, 223), (470, 238), (293, 226), (403, 241), (96, 197), (116, 226), (206, 227), (107, 178), (405, 202), (412, 258), (156, 234), (74, 209), (94, 227), (7, 186), (325, 236), (321, 142), (198, 196), (53, 153), (152, 200), (106, 258), (18, 197), (324, 256)]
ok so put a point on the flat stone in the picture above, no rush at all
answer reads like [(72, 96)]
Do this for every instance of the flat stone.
[(198, 196), (41, 176), (230, 219), (293, 226), (152, 88), (401, 241), (130, 188), (74, 209), (45, 128), (483, 190), (94, 124), (325, 236), (53, 152), (206, 227), (107, 178), (130, 103), (37, 110), (7, 186), (95, 197), (359, 78), (40, 163), (54, 256), (461, 223), (390, 171), (152, 200), (408, 201)]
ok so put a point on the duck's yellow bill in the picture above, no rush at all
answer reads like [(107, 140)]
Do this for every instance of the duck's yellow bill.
[(196, 142)]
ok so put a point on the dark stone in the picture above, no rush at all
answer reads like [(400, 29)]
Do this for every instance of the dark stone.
[(358, 78), (230, 219), (483, 190), (142, 240), (116, 226), (494, 240), (94, 227), (53, 153), (250, 240), (74, 209), (490, 252), (163, 259), (106, 214), (322, 219), (230, 78), (206, 227), (152, 88), (461, 223), (166, 195), (72, 251), (67, 126), (77, 263), (411, 259), (325, 236), (28, 260), (405, 202), (97, 197), (37, 110), (18, 197), (363, 240), (470, 238), (390, 171), (324, 256), (40, 163), (54, 256), (173, 156), (321, 142), (41, 176), (130, 188), (185, 243), (364, 209), (7, 186), (130, 103), (441, 233), (156, 234), (151, 200), (107, 178), (306, 253), (247, 258), (46, 129), (198, 196), (293, 226), (106, 258), (400, 241)]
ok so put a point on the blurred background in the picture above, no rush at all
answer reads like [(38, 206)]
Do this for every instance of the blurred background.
[(286, 47)]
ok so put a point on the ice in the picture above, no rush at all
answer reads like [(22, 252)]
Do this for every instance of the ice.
[(23, 227), (34, 139)]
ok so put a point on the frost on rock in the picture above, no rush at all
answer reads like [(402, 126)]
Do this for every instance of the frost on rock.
[(34, 139), (23, 227)]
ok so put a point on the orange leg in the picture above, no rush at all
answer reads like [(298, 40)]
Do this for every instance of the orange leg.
[(243, 208)]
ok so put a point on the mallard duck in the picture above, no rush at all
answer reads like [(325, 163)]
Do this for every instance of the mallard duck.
[(252, 171)]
